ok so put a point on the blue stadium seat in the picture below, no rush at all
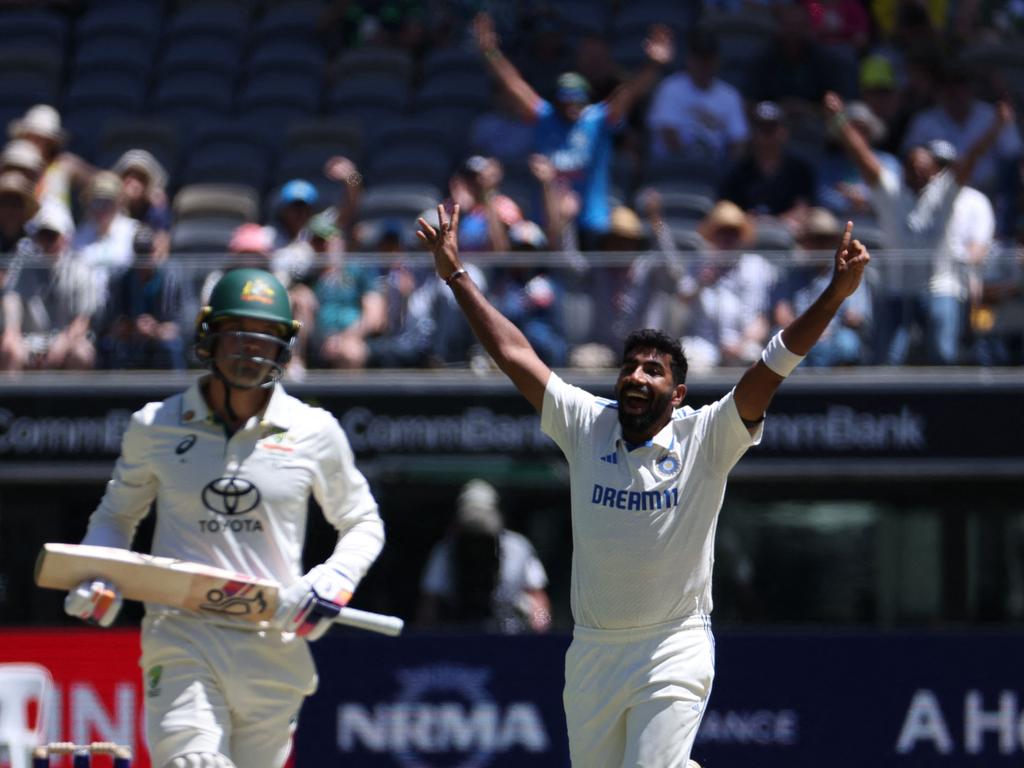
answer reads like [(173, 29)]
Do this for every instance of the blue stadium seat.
[(411, 131), (280, 89), (141, 20), (227, 162), (450, 61), (295, 19), (772, 236), (202, 235), (314, 132), (373, 60), (212, 93), (405, 164), (225, 20), (287, 55), (201, 52), (33, 28), (371, 99), (113, 51), (469, 90), (25, 90), (682, 169), (158, 137)]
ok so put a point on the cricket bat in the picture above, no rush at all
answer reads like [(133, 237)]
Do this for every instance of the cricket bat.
[(181, 584)]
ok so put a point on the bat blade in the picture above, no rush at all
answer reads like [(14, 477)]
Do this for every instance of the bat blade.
[(164, 580)]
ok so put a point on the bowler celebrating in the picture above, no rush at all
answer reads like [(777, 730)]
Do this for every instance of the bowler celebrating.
[(231, 464), (647, 480)]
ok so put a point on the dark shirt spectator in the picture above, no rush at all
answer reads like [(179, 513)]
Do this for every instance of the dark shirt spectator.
[(770, 179), (145, 310)]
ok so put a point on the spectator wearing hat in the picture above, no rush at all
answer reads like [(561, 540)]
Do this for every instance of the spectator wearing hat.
[(292, 255), (250, 246), (840, 186), (770, 179), (961, 119), (104, 240), (926, 284), (49, 304), (348, 304), (144, 183), (41, 125), (695, 113), (531, 296), (844, 340), (17, 205), (144, 312), (481, 575), (24, 157), (573, 132)]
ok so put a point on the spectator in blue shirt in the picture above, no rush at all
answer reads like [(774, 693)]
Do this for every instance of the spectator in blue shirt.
[(573, 132)]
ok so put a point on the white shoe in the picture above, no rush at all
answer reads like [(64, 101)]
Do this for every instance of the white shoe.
[(692, 764)]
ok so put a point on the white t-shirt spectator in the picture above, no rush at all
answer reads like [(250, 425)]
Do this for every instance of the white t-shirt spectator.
[(708, 120)]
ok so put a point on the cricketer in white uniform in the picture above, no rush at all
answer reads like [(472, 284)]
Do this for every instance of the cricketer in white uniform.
[(647, 479), (231, 464)]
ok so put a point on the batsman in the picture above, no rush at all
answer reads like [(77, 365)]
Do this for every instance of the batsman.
[(231, 464)]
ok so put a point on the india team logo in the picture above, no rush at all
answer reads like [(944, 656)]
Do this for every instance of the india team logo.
[(668, 465), (257, 290)]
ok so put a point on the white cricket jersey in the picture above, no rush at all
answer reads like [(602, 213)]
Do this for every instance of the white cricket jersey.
[(240, 502), (643, 520)]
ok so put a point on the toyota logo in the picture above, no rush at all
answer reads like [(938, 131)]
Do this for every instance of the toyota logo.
[(230, 496)]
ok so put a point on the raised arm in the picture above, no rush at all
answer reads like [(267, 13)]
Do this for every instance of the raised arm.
[(659, 49), (855, 144), (526, 99), (963, 166), (760, 381), (505, 343)]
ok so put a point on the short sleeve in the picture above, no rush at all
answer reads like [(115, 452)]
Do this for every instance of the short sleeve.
[(566, 408), (722, 435)]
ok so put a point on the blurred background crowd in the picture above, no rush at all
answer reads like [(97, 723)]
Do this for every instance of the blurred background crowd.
[(618, 164)]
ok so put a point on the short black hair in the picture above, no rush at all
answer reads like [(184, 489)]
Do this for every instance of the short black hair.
[(651, 338)]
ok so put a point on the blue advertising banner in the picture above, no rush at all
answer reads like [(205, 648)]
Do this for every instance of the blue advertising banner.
[(780, 699)]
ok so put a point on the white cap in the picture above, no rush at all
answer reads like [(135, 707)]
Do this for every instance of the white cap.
[(53, 217)]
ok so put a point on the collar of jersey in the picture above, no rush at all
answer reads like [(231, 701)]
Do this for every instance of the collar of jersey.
[(276, 413), (666, 439)]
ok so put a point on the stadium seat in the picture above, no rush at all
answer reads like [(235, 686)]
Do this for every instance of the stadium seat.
[(206, 235), (22, 91), (190, 101), (641, 14), (346, 136), (470, 90), (296, 20), (227, 161), (685, 203), (281, 89), (308, 160), (450, 61), (218, 201), (407, 164), (772, 236), (400, 201), (158, 137), (141, 20), (287, 56), (681, 169), (33, 28), (113, 51), (685, 235), (201, 52), (225, 20), (373, 60), (16, 59)]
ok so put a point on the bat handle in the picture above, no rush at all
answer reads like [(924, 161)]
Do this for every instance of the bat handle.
[(373, 622)]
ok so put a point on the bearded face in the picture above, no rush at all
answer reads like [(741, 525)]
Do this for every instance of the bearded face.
[(645, 391)]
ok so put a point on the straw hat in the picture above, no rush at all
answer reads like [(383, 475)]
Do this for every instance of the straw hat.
[(16, 183), (40, 120), (143, 162), (821, 222), (726, 214), (23, 154), (105, 185), (625, 223)]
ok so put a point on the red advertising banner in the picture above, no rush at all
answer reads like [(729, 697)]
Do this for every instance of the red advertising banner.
[(98, 693)]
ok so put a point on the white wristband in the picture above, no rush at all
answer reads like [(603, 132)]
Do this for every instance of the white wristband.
[(779, 359)]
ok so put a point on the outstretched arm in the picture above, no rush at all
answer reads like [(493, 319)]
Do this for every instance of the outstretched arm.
[(758, 385), (853, 142), (659, 49), (527, 100), (505, 343), (963, 167)]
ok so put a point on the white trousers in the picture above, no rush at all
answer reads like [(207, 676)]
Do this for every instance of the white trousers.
[(634, 698), (210, 688)]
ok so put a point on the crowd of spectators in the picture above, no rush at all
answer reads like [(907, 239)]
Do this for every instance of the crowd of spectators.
[(696, 181)]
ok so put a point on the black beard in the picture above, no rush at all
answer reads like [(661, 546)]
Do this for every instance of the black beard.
[(641, 422)]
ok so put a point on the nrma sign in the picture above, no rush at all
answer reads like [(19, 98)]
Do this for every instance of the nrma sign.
[(442, 716)]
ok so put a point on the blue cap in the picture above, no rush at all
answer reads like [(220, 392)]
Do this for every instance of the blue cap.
[(572, 88), (297, 191)]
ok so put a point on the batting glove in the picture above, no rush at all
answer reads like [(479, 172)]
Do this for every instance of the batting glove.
[(95, 602), (309, 606)]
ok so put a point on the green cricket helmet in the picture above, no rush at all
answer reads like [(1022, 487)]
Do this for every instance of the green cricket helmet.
[(246, 358)]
